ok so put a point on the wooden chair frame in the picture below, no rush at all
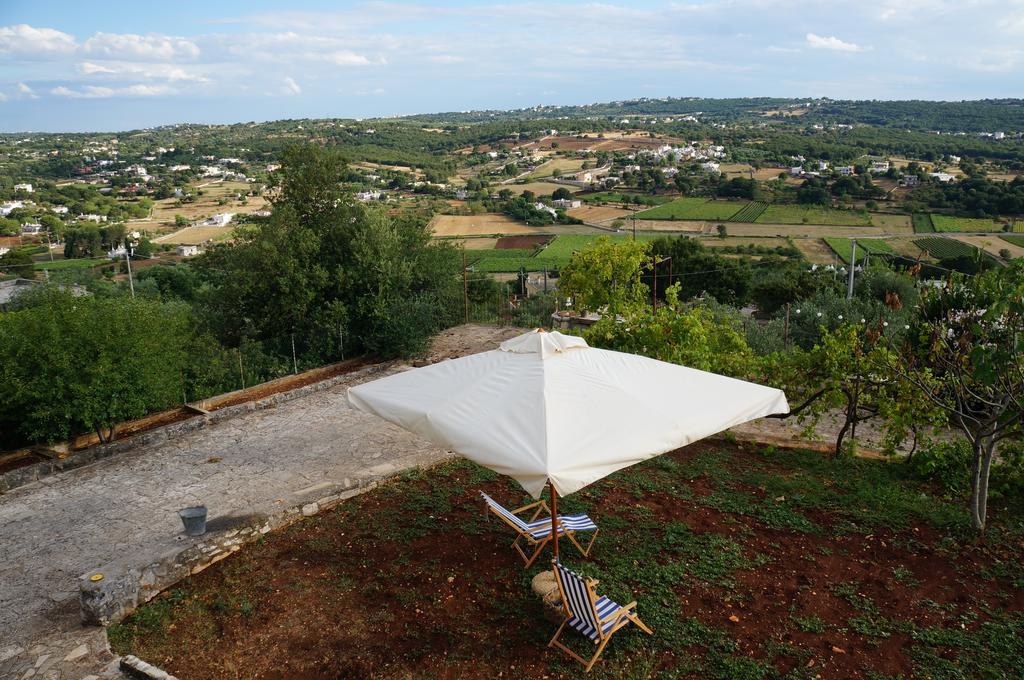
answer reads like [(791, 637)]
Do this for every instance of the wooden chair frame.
[(538, 544), (625, 615)]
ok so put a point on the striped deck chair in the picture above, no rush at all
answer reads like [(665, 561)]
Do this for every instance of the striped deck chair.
[(537, 532), (596, 617)]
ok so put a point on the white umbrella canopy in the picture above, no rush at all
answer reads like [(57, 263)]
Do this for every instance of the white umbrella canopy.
[(545, 407)]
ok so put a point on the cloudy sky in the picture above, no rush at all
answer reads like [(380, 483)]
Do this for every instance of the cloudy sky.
[(117, 65)]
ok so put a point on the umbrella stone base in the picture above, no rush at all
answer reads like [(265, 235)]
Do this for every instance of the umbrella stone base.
[(545, 586)]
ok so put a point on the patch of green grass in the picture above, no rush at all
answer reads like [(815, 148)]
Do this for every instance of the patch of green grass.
[(922, 223), (60, 265), (843, 246), (948, 223), (811, 624), (798, 214), (1014, 239)]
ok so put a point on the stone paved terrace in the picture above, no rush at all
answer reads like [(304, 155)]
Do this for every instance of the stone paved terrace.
[(55, 530)]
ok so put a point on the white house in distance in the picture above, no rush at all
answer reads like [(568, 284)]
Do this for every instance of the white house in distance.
[(27, 188), (844, 169), (545, 208), (368, 196), (942, 176), (60, 209), (9, 207), (31, 228), (879, 166), (710, 166), (218, 220), (566, 203), (188, 250)]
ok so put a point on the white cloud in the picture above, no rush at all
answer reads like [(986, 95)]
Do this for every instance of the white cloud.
[(171, 72), (831, 43), (26, 91), (347, 58), (97, 92), (291, 87), (149, 47), (35, 42)]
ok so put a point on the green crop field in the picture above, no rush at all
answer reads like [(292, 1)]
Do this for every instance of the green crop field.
[(57, 265), (750, 212), (947, 223), (1018, 226), (943, 248), (496, 265), (556, 254), (922, 223), (842, 247), (799, 214), (1014, 240), (688, 208)]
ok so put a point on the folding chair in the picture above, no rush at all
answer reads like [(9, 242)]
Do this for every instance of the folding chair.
[(537, 532), (596, 617)]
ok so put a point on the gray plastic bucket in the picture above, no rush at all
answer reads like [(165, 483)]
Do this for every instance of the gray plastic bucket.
[(194, 519)]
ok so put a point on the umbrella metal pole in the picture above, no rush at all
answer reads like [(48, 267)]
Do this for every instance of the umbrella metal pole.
[(554, 516)]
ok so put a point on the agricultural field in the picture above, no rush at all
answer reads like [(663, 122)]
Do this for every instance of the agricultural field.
[(538, 188), (943, 248), (815, 250), (480, 243), (922, 223), (750, 212), (687, 208), (478, 225), (992, 244), (893, 224), (62, 264), (843, 246), (566, 165), (950, 224), (802, 230), (798, 214), (689, 226), (194, 236), (599, 213)]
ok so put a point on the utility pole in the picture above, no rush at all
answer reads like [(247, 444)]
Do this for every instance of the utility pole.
[(465, 289), (853, 262), (785, 329), (49, 246), (128, 261)]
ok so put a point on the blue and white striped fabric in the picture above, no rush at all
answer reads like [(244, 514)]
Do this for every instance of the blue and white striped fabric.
[(541, 528), (578, 599), (507, 514)]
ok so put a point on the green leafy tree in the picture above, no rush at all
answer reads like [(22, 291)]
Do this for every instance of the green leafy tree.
[(17, 263), (965, 354), (606, 275), (689, 336), (106, 360)]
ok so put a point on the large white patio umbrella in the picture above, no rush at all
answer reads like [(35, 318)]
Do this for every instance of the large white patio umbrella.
[(546, 408)]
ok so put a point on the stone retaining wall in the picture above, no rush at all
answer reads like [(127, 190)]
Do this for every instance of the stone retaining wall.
[(31, 473)]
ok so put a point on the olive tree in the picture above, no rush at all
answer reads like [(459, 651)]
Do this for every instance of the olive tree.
[(966, 356)]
